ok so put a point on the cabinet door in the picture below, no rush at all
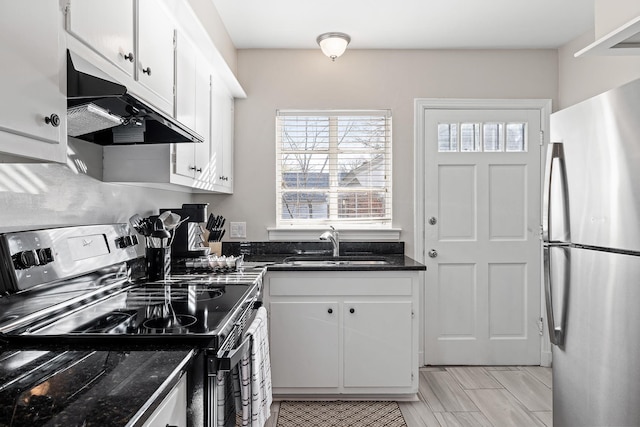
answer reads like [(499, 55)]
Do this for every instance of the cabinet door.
[(227, 142), (185, 103), (304, 344), (203, 119), (173, 409), (378, 347), (107, 27), (155, 63), (30, 81), (221, 136)]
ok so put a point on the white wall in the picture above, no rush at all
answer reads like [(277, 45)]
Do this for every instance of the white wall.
[(584, 77), (361, 79)]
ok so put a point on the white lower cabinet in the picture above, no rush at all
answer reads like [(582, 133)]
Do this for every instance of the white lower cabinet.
[(173, 409), (352, 332), (300, 358)]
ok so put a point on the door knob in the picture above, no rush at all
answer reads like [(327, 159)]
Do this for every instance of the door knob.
[(53, 120), (433, 220), (433, 253)]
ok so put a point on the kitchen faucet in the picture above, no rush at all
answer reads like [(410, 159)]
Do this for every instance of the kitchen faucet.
[(334, 237)]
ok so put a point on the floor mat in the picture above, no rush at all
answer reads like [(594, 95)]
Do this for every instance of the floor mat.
[(340, 414)]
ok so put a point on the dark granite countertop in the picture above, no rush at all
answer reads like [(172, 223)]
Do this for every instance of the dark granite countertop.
[(273, 255), (89, 388)]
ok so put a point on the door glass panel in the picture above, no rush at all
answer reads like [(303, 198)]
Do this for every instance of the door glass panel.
[(516, 140), (470, 137), (493, 136), (447, 137)]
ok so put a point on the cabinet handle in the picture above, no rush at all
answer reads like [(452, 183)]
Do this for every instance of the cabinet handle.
[(330, 311), (352, 310), (129, 57), (53, 120), (147, 71)]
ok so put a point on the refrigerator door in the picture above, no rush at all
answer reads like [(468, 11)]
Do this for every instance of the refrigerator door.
[(601, 142), (596, 374)]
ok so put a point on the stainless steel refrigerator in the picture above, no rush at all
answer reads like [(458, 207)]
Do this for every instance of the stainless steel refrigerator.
[(591, 229)]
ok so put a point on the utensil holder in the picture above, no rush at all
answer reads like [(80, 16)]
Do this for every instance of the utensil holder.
[(158, 263)]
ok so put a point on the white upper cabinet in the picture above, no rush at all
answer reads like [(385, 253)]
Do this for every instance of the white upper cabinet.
[(155, 61), (222, 121), (32, 81), (193, 88), (107, 27), (136, 37)]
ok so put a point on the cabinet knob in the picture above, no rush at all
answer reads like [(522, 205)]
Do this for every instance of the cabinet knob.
[(352, 310), (193, 168), (129, 57), (53, 120), (147, 71), (330, 311), (433, 253)]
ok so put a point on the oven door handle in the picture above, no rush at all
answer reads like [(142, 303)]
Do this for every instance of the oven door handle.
[(230, 358)]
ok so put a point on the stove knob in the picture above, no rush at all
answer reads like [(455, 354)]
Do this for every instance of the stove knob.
[(121, 242), (45, 256), (25, 259)]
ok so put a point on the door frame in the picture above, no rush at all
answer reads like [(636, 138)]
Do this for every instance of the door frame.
[(421, 107)]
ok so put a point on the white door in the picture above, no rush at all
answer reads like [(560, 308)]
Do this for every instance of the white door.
[(482, 225)]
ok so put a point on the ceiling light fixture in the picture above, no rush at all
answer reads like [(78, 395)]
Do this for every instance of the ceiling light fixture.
[(333, 44)]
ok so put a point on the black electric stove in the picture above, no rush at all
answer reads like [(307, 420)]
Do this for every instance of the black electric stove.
[(78, 296)]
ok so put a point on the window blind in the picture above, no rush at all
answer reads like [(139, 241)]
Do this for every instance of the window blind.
[(333, 167)]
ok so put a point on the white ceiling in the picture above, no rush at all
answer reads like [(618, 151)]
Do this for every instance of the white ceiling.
[(407, 24)]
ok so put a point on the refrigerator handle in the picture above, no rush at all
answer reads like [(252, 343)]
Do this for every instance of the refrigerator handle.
[(556, 331), (555, 203)]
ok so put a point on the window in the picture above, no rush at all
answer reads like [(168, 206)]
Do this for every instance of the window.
[(477, 137), (333, 167)]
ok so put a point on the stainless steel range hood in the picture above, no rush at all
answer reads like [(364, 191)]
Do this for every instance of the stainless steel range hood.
[(102, 111), (624, 40)]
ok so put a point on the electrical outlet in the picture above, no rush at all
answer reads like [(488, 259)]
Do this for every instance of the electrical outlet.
[(238, 230)]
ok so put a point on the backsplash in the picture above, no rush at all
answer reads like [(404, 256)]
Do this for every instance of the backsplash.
[(34, 195)]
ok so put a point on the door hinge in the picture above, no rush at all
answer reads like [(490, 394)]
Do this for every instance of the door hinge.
[(541, 138), (541, 326)]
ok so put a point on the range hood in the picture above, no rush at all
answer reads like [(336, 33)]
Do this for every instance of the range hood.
[(102, 111), (624, 40)]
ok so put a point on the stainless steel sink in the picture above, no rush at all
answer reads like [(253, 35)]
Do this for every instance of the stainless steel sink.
[(335, 261)]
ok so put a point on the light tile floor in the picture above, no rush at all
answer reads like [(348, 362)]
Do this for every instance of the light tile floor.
[(470, 396)]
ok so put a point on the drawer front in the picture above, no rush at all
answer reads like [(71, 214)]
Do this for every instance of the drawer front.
[(300, 285)]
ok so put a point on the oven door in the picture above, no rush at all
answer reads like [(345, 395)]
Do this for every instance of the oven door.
[(224, 373)]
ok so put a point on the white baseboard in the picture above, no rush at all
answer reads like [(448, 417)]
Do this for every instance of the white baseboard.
[(545, 359)]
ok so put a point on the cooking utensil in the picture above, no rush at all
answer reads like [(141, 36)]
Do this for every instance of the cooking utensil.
[(159, 232), (136, 222)]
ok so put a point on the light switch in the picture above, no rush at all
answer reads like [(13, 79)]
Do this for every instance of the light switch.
[(238, 230)]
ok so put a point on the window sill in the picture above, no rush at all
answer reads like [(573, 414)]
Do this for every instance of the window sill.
[(354, 234)]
